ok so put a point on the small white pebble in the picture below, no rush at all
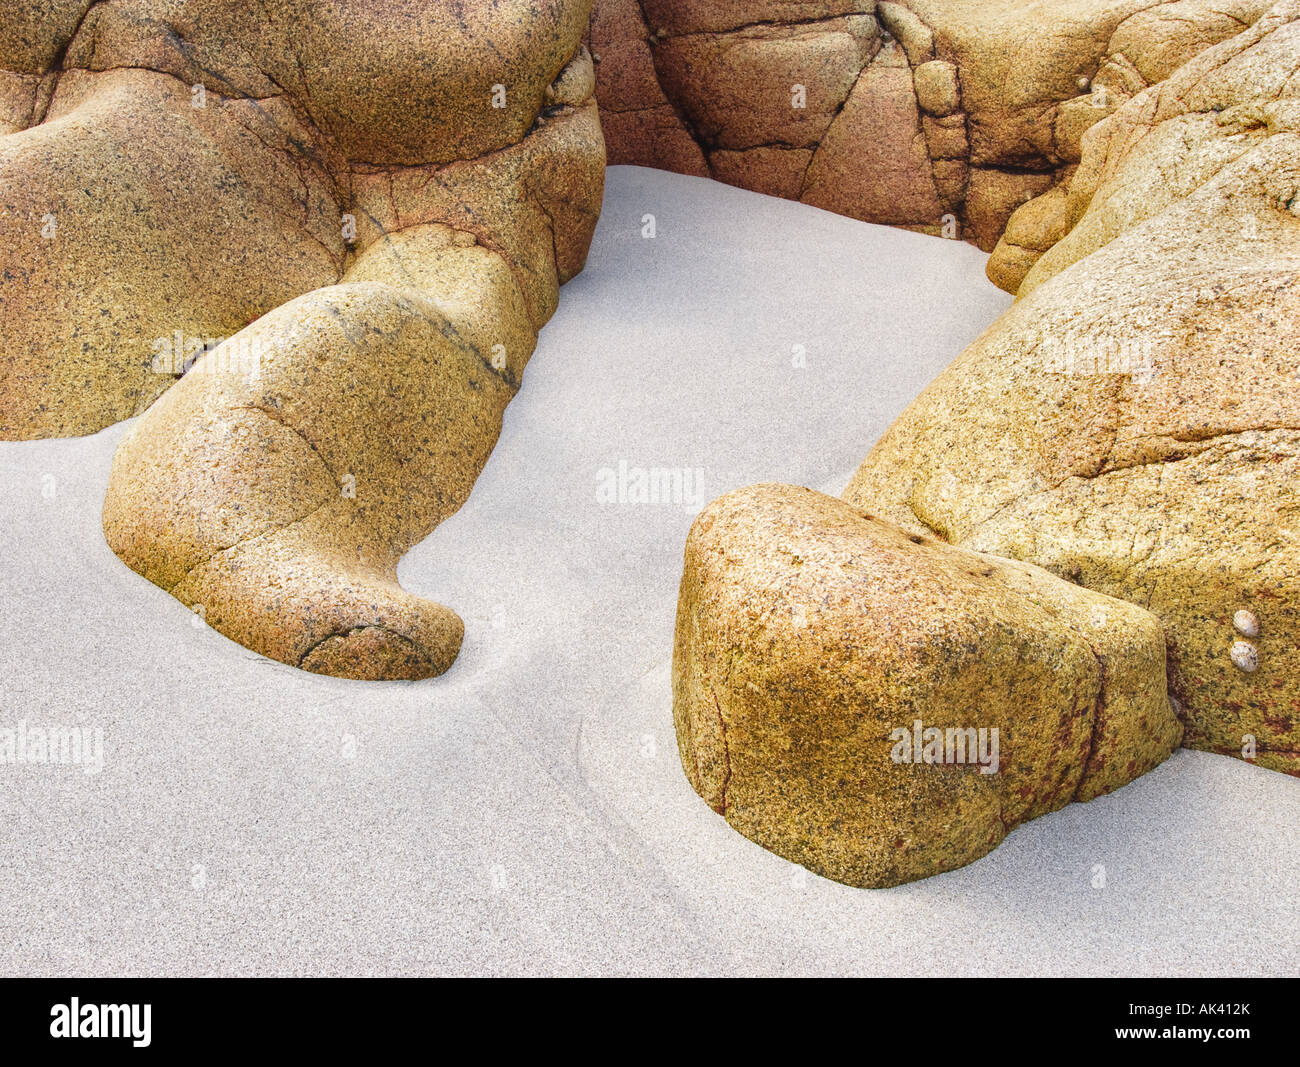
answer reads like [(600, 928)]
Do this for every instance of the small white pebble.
[(1246, 623), (1244, 656)]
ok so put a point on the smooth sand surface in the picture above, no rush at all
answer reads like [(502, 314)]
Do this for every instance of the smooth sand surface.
[(526, 813)]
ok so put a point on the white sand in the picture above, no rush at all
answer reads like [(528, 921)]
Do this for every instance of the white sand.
[(526, 813)]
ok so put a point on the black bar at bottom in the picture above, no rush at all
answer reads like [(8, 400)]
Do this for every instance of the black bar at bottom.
[(143, 1017)]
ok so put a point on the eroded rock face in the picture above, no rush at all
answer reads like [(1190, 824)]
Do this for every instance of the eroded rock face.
[(331, 236), (817, 644), (1139, 406), (938, 115), (186, 166), (1131, 426), (1133, 422)]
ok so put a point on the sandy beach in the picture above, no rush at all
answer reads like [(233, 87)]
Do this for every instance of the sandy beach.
[(526, 812)]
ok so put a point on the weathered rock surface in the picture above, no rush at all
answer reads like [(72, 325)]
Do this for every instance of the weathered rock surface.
[(344, 228), (713, 88), (809, 634), (1133, 422), (112, 239), (1131, 426), (174, 166)]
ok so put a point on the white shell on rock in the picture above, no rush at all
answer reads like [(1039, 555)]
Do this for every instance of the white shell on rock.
[(1246, 623), (1245, 656)]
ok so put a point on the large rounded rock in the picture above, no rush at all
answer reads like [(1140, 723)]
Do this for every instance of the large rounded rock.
[(330, 233), (879, 706), (275, 487), (172, 171)]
